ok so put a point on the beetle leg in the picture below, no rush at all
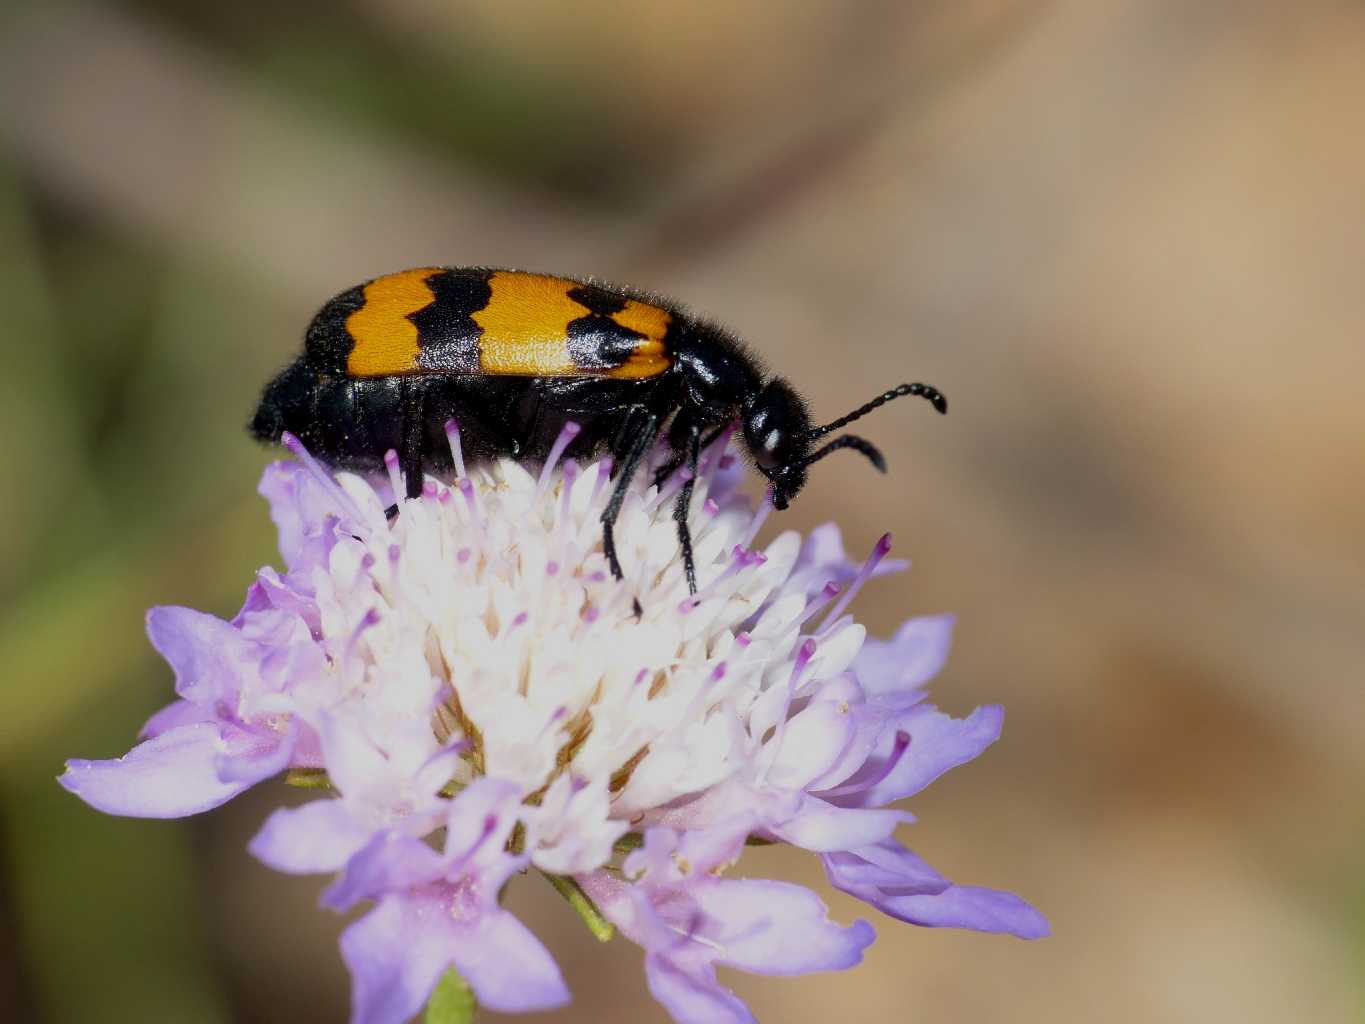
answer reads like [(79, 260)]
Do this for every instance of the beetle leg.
[(684, 502), (676, 460), (639, 445), (414, 427)]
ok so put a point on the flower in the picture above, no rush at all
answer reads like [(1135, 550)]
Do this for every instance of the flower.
[(478, 697)]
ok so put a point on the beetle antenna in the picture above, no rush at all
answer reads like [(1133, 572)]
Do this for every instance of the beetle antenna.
[(858, 444), (925, 391)]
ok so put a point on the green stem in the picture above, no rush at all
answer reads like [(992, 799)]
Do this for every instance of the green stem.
[(602, 929), (308, 778), (452, 1001)]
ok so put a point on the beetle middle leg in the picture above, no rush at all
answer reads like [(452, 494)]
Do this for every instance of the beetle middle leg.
[(639, 433), (679, 456)]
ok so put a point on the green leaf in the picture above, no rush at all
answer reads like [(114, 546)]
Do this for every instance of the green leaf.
[(452, 1001), (602, 929)]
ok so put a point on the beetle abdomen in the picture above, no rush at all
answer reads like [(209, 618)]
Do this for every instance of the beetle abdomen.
[(470, 321)]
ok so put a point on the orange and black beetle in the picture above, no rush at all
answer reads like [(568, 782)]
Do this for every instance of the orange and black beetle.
[(513, 356)]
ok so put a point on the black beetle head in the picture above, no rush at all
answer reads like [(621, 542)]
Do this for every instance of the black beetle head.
[(777, 433), (779, 436)]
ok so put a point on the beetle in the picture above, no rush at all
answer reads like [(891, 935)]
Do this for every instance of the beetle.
[(513, 356)]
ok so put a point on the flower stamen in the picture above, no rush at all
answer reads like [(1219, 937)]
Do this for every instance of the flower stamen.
[(879, 552), (456, 449), (567, 433)]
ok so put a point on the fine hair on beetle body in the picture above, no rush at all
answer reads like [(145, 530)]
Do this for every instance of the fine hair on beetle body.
[(513, 357)]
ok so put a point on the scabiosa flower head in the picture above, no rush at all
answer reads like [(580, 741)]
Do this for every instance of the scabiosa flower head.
[(475, 696)]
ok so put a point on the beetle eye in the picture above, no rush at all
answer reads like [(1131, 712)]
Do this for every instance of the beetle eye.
[(765, 445)]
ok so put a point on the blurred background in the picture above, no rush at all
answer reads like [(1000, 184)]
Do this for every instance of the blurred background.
[(1125, 238)]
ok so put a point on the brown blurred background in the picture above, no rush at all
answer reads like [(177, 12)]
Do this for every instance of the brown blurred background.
[(1125, 237)]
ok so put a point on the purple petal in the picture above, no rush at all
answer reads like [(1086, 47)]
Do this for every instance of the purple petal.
[(170, 776), (174, 715), (315, 838), (271, 593), (778, 928), (938, 742), (389, 861), (298, 505), (966, 906), (353, 762), (507, 967), (908, 660), (812, 744), (704, 849), (207, 654), (255, 755), (482, 816), (885, 868), (822, 827), (399, 951), (396, 954), (694, 996)]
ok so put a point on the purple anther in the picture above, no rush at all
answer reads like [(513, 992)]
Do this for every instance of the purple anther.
[(803, 658), (456, 451), (367, 621), (395, 479), (880, 551), (828, 593), (669, 487), (324, 478), (603, 475), (859, 785), (567, 433), (571, 472), (761, 514), (739, 559), (466, 487), (715, 455)]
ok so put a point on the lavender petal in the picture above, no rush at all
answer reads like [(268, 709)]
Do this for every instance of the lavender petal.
[(694, 997), (778, 928), (315, 838), (170, 776), (938, 742), (908, 660), (966, 906), (205, 652)]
